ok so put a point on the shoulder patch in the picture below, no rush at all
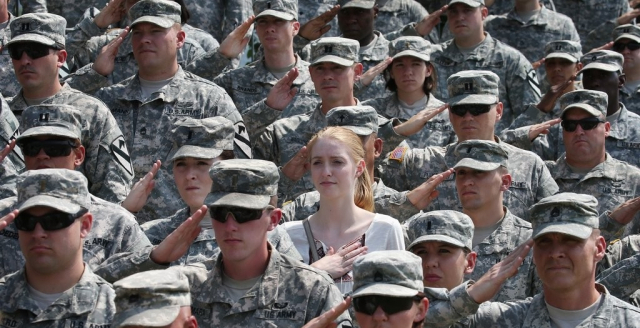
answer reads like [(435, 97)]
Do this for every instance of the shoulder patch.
[(398, 153), (532, 78), (121, 154)]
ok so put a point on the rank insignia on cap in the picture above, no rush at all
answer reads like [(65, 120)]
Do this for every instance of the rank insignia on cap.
[(342, 117), (44, 117), (594, 58), (576, 98), (429, 225), (555, 212), (407, 46), (190, 135), (134, 298), (377, 277), (268, 4), (25, 27), (328, 49), (468, 86), (626, 30), (43, 185), (469, 150), (558, 47)]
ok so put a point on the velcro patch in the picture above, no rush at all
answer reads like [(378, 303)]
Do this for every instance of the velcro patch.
[(398, 154), (121, 154)]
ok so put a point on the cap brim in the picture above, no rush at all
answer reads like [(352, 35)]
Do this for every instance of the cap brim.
[(357, 5), (627, 36), (470, 99), (333, 59), (32, 37), (562, 55), (587, 108), (140, 317), (47, 131), (473, 4), (476, 165), (234, 199), (600, 66), (196, 152), (59, 204), (572, 229), (160, 21), (278, 14), (412, 53), (358, 130), (385, 289), (439, 238)]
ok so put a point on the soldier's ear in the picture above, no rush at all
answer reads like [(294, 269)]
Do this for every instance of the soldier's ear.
[(505, 182), (296, 27), (181, 36), (61, 57), (86, 222), (484, 11), (79, 156)]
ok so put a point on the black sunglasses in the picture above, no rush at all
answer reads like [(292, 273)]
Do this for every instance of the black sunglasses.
[(53, 221), (34, 50), (390, 305), (53, 148), (619, 47), (585, 123), (475, 110), (241, 215)]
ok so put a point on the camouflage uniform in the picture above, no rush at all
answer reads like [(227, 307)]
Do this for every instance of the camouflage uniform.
[(13, 164), (310, 9), (619, 268), (519, 84), (395, 14), (218, 17), (89, 303), (32, 6), (10, 85), (631, 33)]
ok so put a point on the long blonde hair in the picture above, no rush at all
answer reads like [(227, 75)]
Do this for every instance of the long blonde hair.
[(363, 194)]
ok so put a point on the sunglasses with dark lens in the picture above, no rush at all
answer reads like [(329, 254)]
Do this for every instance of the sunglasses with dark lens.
[(390, 305), (241, 215), (475, 110), (632, 46), (585, 124), (53, 148), (53, 221), (33, 50)]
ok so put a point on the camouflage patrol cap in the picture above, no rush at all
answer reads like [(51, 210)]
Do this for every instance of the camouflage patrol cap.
[(481, 155), (591, 101), (567, 213), (246, 183), (451, 227), (365, 4), (626, 31), (362, 120), (51, 120), (47, 29), (61, 189), (604, 60), (151, 298), (470, 3), (390, 273), (284, 9), (413, 46), (565, 49), (205, 138), (337, 50), (473, 88), (163, 13)]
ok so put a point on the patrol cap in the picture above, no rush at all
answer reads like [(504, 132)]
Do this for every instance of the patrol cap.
[(205, 138), (341, 51), (480, 155), (362, 120), (163, 13), (591, 101), (626, 31), (365, 4), (151, 298), (470, 3), (565, 49), (605, 60), (61, 189), (51, 120), (284, 9), (567, 213), (246, 183), (473, 88), (44, 28), (451, 227), (390, 273), (410, 46)]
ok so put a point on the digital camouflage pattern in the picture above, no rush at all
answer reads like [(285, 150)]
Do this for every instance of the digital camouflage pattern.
[(241, 183), (13, 164), (205, 138), (481, 155), (146, 124), (218, 17), (43, 28), (362, 120), (107, 163), (88, 303), (289, 294), (395, 14), (7, 75), (395, 273), (451, 227), (594, 20), (630, 33), (619, 269)]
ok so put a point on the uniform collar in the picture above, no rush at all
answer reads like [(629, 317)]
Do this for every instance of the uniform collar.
[(606, 169), (620, 128), (169, 93), (379, 51), (480, 53), (541, 18)]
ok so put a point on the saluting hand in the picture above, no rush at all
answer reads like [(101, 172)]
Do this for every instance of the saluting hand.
[(374, 71), (283, 92), (7, 219), (141, 190), (418, 121), (7, 150), (105, 62), (233, 45), (297, 166), (425, 193), (326, 320), (178, 242), (317, 27)]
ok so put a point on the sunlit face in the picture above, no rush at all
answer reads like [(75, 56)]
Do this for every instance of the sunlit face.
[(631, 57), (276, 33), (443, 265), (356, 23), (477, 189), (560, 70), (155, 47), (409, 73), (44, 161), (192, 179), (480, 127), (38, 74), (333, 170), (333, 82), (403, 319), (464, 20), (586, 146)]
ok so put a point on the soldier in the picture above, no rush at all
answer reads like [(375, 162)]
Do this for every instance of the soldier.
[(54, 288), (481, 178), (219, 18), (256, 286), (276, 24), (199, 144), (37, 52), (604, 16), (10, 85), (474, 111), (627, 42), (394, 14), (147, 104), (158, 298)]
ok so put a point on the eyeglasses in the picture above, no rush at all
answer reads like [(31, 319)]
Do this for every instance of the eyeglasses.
[(475, 110), (241, 215), (34, 50), (53, 148), (53, 221), (585, 123), (619, 47), (389, 304)]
